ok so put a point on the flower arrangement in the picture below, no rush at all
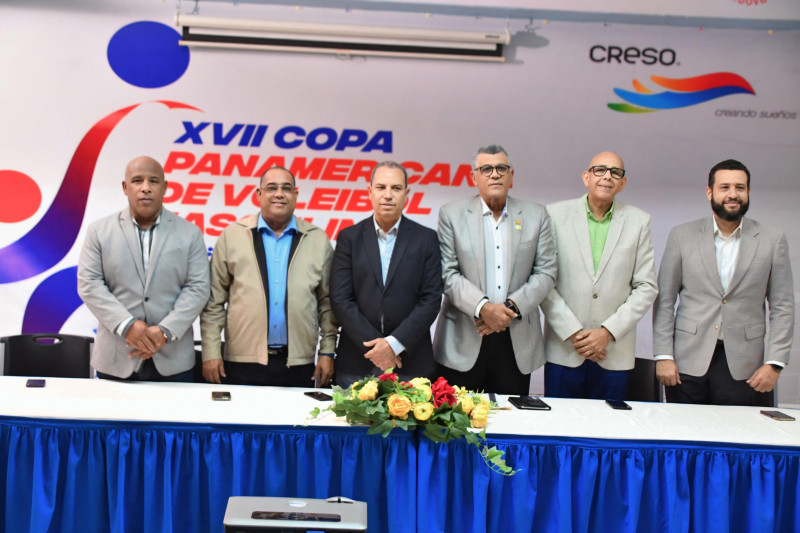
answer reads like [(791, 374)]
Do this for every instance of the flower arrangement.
[(443, 411)]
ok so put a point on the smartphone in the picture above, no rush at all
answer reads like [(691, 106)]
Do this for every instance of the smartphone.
[(37, 383), (777, 415), (321, 396), (220, 396), (529, 402), (618, 404)]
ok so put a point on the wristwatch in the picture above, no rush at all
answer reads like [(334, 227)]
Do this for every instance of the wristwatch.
[(514, 308), (777, 368)]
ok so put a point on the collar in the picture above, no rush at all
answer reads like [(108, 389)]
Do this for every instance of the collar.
[(153, 225), (486, 211), (735, 233), (394, 229), (589, 213), (262, 225)]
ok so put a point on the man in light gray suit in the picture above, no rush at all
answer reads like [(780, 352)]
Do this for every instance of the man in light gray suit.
[(498, 264), (144, 275), (606, 283), (720, 269)]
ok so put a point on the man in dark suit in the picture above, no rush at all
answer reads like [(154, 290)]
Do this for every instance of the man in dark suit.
[(386, 286)]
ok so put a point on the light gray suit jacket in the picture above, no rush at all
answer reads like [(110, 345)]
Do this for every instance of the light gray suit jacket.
[(689, 274), (530, 276), (616, 298), (111, 283)]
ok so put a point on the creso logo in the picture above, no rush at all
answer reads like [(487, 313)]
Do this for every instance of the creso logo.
[(632, 55), (681, 92)]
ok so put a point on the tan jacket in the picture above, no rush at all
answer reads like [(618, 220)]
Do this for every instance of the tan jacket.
[(236, 281)]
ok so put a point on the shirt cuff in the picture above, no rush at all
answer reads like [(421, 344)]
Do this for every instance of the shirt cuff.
[(122, 329), (331, 355), (778, 363), (395, 345), (168, 333), (664, 358), (480, 306)]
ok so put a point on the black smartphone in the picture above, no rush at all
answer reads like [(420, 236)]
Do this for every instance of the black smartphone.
[(220, 396), (529, 402), (321, 396), (35, 383), (777, 415), (618, 404)]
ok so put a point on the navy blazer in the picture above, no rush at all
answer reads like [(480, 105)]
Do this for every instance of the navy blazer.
[(408, 302)]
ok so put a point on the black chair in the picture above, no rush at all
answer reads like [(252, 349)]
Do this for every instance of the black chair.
[(47, 355), (643, 385)]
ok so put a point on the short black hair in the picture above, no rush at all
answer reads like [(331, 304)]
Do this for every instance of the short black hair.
[(728, 164), (261, 179)]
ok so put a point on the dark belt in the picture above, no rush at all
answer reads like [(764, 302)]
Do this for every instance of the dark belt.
[(278, 351)]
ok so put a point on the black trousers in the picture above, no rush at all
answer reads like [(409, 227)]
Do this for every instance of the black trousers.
[(275, 374), (495, 370), (717, 386)]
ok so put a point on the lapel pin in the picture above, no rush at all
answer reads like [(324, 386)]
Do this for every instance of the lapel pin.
[(518, 224)]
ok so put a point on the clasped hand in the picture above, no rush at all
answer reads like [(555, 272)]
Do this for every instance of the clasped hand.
[(145, 340)]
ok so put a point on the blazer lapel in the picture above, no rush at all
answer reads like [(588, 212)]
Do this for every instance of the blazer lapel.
[(129, 231), (748, 245), (581, 227), (514, 214), (370, 238), (474, 228), (708, 253), (162, 236), (400, 245), (614, 232)]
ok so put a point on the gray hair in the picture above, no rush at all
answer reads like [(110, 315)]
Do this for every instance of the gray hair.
[(389, 164), (490, 149)]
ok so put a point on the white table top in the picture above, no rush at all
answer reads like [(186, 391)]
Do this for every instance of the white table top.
[(96, 399)]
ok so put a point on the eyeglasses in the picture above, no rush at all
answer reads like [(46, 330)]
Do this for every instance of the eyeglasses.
[(600, 171), (272, 188), (486, 170)]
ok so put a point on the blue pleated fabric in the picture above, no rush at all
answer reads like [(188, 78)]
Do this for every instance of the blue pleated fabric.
[(590, 485), (78, 476)]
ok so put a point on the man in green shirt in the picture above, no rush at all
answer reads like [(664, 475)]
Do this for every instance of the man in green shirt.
[(606, 283)]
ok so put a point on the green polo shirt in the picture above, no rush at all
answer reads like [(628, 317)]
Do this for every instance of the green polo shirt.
[(598, 232)]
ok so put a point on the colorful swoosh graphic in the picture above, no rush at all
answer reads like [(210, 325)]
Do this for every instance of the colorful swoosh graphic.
[(54, 235), (681, 92)]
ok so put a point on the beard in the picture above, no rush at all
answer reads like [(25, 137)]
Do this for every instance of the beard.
[(730, 216)]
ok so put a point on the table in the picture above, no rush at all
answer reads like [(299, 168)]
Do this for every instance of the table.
[(96, 455)]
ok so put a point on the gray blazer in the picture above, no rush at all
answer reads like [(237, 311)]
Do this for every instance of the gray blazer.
[(111, 283), (689, 274), (530, 277), (616, 298)]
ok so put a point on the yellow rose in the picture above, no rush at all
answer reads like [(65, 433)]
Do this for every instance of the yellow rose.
[(399, 406), (466, 403), (480, 415), (423, 385), (369, 391), (423, 411)]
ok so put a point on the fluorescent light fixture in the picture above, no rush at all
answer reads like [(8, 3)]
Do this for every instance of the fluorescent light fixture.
[(339, 39)]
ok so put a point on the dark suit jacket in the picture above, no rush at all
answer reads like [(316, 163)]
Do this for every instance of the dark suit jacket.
[(408, 303)]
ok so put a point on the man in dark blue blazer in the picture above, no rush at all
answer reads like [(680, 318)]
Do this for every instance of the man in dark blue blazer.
[(386, 287)]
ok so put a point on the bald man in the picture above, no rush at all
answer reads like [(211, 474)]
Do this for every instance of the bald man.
[(144, 274), (606, 283)]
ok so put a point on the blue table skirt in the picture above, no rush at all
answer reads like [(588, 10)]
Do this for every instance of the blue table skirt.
[(65, 476)]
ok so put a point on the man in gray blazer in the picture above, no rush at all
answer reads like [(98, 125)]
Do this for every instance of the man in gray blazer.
[(143, 273), (498, 264), (710, 350), (606, 283)]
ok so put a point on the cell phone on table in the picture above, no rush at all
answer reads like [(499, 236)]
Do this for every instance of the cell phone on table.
[(320, 396), (618, 404), (35, 383), (777, 415), (220, 396), (529, 402)]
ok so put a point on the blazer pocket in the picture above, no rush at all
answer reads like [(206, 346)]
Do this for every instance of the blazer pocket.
[(686, 324), (754, 331)]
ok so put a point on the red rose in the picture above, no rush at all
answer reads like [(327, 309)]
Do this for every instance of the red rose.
[(443, 393), (390, 377)]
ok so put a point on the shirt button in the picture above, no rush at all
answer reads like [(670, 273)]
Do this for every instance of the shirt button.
[(594, 296), (716, 326)]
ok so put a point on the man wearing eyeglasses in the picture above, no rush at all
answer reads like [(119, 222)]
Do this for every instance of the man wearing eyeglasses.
[(722, 270), (498, 264), (606, 283), (270, 281)]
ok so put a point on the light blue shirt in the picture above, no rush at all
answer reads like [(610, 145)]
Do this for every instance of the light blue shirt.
[(277, 257), (386, 247)]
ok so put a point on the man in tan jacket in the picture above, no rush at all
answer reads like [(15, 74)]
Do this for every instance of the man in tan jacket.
[(273, 272)]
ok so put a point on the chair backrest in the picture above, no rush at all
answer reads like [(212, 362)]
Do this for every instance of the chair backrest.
[(642, 384), (47, 355)]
